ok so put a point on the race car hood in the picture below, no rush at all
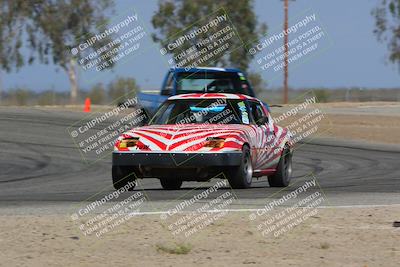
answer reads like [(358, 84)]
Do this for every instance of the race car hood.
[(186, 138)]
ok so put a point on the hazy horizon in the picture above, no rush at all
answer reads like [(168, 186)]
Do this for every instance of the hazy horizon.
[(355, 60)]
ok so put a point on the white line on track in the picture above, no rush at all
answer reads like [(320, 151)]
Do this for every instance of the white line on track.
[(255, 210)]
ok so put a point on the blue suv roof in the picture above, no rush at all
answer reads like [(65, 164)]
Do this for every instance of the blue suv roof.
[(210, 69)]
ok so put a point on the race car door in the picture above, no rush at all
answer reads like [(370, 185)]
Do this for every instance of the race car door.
[(265, 136)]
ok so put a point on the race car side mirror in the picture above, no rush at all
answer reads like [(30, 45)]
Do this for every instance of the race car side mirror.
[(262, 121), (167, 91)]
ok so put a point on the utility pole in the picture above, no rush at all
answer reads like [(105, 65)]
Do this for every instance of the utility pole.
[(1, 89), (286, 58)]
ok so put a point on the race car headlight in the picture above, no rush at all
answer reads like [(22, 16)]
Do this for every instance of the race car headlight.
[(214, 142), (128, 142)]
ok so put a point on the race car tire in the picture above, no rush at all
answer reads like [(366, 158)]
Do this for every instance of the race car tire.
[(171, 184), (282, 176), (121, 176), (241, 176)]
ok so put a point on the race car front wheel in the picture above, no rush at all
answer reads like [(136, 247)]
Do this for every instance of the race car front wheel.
[(170, 184), (121, 177), (242, 176), (283, 173)]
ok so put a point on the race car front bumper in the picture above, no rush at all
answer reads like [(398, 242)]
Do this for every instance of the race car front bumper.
[(176, 160)]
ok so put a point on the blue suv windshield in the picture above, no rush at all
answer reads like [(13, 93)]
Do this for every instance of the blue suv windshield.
[(212, 82)]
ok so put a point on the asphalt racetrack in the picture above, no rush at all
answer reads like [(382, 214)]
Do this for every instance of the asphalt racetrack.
[(40, 164)]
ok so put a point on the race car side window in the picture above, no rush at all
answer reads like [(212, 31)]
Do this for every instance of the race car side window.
[(257, 113), (244, 114)]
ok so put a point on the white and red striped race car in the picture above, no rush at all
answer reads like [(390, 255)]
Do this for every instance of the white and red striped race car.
[(195, 137)]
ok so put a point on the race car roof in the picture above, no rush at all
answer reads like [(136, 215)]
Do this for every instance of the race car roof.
[(212, 96), (209, 69)]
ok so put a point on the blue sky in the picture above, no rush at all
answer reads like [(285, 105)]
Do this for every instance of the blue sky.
[(355, 58)]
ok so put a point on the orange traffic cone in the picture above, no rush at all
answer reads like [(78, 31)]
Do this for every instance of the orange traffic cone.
[(87, 105)]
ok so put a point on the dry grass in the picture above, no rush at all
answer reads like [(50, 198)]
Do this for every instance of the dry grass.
[(177, 249)]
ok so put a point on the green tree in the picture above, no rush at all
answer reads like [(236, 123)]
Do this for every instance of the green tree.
[(387, 27), (10, 40), (52, 28), (97, 94), (322, 95), (257, 82), (175, 16), (122, 88), (46, 98), (20, 96)]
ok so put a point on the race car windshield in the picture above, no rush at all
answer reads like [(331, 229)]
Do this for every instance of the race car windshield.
[(221, 82), (200, 111)]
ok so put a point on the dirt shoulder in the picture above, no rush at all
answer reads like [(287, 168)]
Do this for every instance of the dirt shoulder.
[(375, 129), (375, 122), (332, 237)]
